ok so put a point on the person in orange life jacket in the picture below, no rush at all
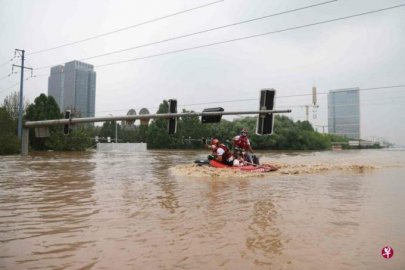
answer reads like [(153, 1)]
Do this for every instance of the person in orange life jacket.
[(242, 142), (221, 153)]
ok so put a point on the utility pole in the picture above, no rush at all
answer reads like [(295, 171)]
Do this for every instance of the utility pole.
[(306, 111), (20, 107)]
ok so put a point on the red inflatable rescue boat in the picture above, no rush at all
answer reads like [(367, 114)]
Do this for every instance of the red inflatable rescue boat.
[(248, 168)]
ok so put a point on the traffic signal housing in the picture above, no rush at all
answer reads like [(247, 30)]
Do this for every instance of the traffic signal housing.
[(66, 128), (265, 122), (172, 126), (212, 118)]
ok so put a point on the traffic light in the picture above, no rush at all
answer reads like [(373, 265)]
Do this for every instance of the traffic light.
[(172, 126), (265, 122), (66, 126), (212, 118)]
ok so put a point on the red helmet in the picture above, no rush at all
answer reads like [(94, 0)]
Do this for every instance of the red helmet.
[(214, 141)]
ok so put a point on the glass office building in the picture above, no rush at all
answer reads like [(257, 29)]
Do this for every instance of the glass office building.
[(344, 112), (74, 87)]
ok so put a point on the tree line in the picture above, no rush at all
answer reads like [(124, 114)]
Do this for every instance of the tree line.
[(288, 134)]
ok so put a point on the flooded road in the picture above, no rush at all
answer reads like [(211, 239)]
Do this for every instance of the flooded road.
[(156, 210)]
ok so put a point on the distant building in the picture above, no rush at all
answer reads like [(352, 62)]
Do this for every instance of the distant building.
[(74, 87), (344, 112)]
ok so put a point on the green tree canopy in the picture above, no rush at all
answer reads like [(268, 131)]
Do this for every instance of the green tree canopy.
[(288, 135), (108, 130), (9, 143), (44, 108)]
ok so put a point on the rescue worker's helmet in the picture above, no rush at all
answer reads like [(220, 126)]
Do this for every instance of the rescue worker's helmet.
[(244, 132), (214, 141)]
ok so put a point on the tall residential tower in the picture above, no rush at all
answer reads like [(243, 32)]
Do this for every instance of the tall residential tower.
[(74, 87), (344, 112)]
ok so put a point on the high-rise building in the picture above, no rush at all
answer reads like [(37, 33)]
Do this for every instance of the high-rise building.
[(74, 87), (55, 85), (344, 112)]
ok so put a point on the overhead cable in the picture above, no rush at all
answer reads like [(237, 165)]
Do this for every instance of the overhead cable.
[(241, 38), (123, 29), (197, 33), (255, 99), (290, 96), (8, 75), (7, 62), (252, 36), (14, 85)]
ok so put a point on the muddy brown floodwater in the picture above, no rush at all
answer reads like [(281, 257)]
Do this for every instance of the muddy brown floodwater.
[(156, 210)]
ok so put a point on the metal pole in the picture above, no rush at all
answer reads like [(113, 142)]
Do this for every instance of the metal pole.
[(24, 141), (306, 111), (116, 137), (44, 123), (20, 107)]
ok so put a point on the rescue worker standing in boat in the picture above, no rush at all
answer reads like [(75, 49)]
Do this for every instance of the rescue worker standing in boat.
[(241, 143), (221, 153)]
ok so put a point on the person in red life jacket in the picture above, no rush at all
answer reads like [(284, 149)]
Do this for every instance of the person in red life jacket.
[(221, 153), (241, 143), (214, 145)]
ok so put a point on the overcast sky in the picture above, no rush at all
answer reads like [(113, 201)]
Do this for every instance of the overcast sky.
[(364, 52)]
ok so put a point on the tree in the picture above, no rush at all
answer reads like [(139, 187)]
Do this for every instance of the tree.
[(9, 143), (79, 139), (44, 108), (157, 136), (190, 127), (11, 104), (108, 130)]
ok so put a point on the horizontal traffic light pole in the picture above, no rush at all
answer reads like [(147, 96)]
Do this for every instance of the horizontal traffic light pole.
[(45, 123), (264, 126)]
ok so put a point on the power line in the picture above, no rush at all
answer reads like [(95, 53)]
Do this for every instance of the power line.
[(283, 106), (199, 32), (263, 34), (5, 63), (289, 96), (125, 28), (255, 99), (14, 85), (241, 38), (8, 75), (252, 36), (382, 87)]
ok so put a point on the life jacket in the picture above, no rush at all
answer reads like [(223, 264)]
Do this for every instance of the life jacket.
[(227, 154), (242, 142)]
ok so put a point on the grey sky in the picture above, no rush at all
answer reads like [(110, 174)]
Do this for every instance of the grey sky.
[(363, 52)]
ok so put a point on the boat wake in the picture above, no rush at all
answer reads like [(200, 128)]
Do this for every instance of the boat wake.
[(283, 169)]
